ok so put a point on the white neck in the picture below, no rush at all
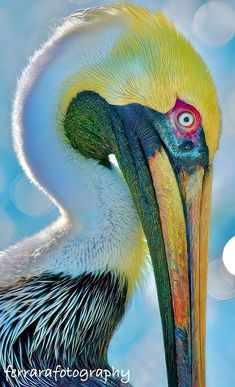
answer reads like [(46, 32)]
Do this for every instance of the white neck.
[(99, 226), (100, 230)]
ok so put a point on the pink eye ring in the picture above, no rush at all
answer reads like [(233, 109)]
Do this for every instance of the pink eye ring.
[(185, 118)]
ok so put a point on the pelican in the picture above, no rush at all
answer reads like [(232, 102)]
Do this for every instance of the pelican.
[(116, 81)]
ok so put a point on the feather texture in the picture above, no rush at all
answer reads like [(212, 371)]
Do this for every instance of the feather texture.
[(55, 319)]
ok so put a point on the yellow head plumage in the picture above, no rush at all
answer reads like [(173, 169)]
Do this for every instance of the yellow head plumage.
[(151, 64)]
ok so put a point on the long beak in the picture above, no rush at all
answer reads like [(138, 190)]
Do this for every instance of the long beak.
[(170, 182), (184, 203), (171, 187)]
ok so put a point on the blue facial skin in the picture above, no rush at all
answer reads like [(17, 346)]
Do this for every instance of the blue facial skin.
[(155, 130)]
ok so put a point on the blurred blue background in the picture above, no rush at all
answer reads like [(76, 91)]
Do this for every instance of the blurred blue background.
[(24, 25)]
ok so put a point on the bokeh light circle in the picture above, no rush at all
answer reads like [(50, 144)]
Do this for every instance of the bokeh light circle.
[(214, 23), (221, 283), (28, 199), (229, 256)]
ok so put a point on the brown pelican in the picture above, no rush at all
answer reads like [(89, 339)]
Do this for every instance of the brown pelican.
[(117, 80)]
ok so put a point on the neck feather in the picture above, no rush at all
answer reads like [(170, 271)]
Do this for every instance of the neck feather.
[(102, 229)]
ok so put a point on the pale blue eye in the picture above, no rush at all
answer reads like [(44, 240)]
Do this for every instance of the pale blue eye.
[(186, 119)]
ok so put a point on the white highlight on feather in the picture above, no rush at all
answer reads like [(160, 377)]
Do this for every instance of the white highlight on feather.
[(99, 225)]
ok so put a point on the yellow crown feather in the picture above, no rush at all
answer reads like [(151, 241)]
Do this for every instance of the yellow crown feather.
[(151, 64)]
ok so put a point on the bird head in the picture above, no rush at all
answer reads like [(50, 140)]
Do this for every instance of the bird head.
[(143, 93)]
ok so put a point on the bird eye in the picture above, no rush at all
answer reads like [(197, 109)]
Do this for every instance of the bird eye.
[(186, 119)]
